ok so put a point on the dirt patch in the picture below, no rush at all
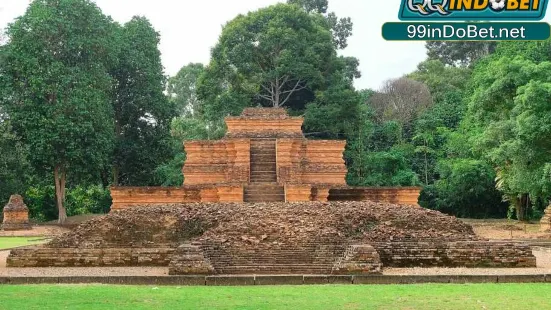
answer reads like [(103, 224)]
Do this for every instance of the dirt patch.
[(265, 223), (37, 231), (507, 229)]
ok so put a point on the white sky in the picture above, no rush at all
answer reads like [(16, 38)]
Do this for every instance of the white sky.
[(189, 29)]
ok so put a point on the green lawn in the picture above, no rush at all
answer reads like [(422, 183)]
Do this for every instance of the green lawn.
[(13, 242), (430, 296)]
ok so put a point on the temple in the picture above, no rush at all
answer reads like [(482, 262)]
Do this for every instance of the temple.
[(264, 157)]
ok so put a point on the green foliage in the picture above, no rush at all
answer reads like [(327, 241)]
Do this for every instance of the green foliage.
[(459, 53), (15, 170), (270, 55), (142, 111), (56, 70), (466, 189), (90, 199), (182, 89)]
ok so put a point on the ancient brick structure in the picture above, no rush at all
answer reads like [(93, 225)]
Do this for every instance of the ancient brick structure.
[(16, 215), (264, 157), (274, 238), (545, 223)]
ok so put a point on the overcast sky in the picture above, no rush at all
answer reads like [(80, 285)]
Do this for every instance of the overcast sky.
[(189, 29)]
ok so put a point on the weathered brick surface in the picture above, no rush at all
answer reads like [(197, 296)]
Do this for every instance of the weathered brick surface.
[(545, 223), (217, 162), (427, 253), (82, 257), (127, 197), (188, 259), (16, 215), (264, 123), (358, 259), (397, 195), (301, 161)]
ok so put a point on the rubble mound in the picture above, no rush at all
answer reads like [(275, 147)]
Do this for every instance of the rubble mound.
[(264, 223)]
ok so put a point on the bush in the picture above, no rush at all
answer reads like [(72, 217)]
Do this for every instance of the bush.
[(79, 200)]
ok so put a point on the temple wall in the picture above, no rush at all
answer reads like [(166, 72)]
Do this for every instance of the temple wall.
[(211, 162), (125, 197), (264, 128), (301, 161), (396, 195), (81, 257), (471, 254)]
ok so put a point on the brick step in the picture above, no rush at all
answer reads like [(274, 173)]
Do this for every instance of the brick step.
[(261, 199), (266, 150), (262, 180), (276, 269), (241, 262), (275, 197), (249, 193), (272, 185), (263, 174), (263, 167), (262, 159)]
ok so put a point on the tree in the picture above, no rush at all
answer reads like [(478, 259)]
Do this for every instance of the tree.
[(142, 111), (340, 27), (461, 54), (271, 55), (182, 89), (402, 100), (57, 63), (508, 115)]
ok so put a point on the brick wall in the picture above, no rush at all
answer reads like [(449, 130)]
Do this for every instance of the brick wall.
[(455, 254), (301, 161), (79, 257), (211, 162), (396, 195), (125, 197)]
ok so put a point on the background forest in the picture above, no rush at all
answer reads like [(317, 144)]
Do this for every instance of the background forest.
[(85, 105)]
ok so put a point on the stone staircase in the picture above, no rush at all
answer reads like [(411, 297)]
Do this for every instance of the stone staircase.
[(298, 259), (263, 185), (263, 161)]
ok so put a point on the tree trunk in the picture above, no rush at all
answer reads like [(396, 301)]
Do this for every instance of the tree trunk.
[(520, 206), (60, 176), (426, 169), (115, 175)]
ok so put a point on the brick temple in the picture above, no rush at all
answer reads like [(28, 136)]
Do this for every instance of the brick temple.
[(264, 157)]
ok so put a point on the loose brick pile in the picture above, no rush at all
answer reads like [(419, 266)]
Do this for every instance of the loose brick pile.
[(265, 223), (275, 238)]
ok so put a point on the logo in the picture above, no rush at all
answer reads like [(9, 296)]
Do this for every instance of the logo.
[(486, 10)]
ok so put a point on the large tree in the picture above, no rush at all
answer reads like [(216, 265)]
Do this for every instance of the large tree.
[(58, 57), (142, 111), (269, 56)]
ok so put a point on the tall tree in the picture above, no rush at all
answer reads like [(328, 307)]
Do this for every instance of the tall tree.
[(508, 115), (58, 57), (402, 100), (340, 27), (268, 57), (182, 89), (142, 111)]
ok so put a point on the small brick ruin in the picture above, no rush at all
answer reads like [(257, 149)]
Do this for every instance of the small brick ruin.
[(264, 157), (355, 237), (545, 223), (16, 215)]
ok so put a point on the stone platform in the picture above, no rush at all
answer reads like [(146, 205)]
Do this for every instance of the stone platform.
[(332, 238)]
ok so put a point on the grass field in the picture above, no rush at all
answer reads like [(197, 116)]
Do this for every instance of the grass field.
[(12, 242), (430, 296)]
